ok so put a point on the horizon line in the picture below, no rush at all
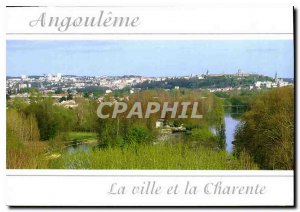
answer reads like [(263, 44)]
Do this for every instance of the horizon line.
[(135, 75)]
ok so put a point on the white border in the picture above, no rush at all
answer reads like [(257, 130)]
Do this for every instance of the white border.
[(92, 187), (14, 174)]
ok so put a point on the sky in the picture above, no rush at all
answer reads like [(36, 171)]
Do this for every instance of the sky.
[(149, 57)]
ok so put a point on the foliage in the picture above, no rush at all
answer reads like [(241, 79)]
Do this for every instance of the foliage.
[(82, 135), (95, 90), (27, 90), (23, 128), (25, 156), (121, 92), (38, 130), (51, 119), (267, 130), (62, 99), (138, 135), (238, 101), (160, 156), (207, 82), (215, 119), (203, 136), (85, 115), (23, 149)]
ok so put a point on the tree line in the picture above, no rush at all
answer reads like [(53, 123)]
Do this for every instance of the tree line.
[(54, 121)]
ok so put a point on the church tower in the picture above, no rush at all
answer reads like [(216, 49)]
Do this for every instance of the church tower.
[(276, 79)]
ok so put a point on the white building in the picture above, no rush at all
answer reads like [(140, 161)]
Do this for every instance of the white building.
[(23, 77), (69, 104), (23, 85), (49, 77), (282, 84), (58, 76), (159, 124), (258, 84), (108, 91), (79, 84), (268, 84)]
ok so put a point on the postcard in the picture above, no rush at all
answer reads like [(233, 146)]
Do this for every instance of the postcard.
[(149, 105)]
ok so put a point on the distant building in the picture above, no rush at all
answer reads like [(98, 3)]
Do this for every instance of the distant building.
[(258, 84), (159, 123), (49, 77), (24, 86), (69, 104), (268, 84), (207, 72), (108, 91), (282, 83), (276, 78), (79, 84), (58, 76), (23, 77)]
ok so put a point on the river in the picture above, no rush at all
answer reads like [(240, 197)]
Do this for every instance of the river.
[(230, 126), (79, 147)]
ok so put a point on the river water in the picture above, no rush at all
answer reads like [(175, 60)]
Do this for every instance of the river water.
[(79, 147), (230, 126)]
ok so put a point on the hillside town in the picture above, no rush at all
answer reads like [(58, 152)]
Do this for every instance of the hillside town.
[(59, 86)]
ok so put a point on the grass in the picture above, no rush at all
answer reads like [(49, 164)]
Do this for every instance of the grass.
[(160, 157), (82, 135), (26, 156)]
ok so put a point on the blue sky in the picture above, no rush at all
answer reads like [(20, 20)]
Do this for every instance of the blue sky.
[(149, 57)]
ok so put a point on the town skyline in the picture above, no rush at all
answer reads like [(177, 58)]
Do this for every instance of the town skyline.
[(165, 76)]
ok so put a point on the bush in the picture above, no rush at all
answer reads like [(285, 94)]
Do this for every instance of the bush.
[(204, 137)]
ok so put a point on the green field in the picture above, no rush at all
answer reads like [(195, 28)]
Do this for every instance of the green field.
[(82, 135)]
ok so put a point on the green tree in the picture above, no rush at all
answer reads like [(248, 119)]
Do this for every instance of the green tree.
[(52, 119), (267, 130), (204, 137)]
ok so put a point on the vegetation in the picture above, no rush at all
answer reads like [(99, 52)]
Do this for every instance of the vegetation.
[(161, 156), (267, 130), (209, 82), (51, 119), (23, 147), (94, 90), (40, 130), (82, 135)]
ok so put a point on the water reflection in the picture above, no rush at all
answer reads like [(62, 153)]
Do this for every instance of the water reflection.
[(79, 147), (230, 126)]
